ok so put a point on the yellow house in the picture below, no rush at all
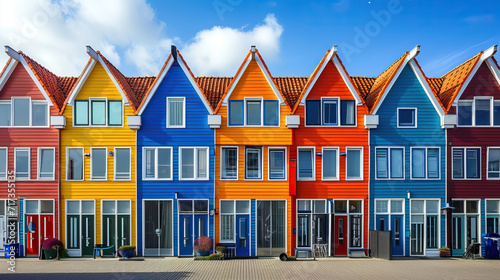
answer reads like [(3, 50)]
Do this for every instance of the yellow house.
[(98, 163)]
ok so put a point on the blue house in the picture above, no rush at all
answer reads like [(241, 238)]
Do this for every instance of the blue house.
[(175, 144), (407, 158)]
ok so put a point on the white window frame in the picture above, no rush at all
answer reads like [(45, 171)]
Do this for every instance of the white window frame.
[(464, 158), (39, 164), (339, 114), (83, 163), (29, 163), (326, 99), (129, 160), (407, 108), (313, 178), (106, 164), (284, 149), (105, 99), (195, 163), (156, 164), (361, 169), (473, 110), (106, 112), (337, 171), (389, 177), (237, 163), (488, 162), (47, 108), (8, 102), (244, 112), (12, 111), (30, 113), (425, 163), (261, 162), (183, 112), (425, 214), (6, 163)]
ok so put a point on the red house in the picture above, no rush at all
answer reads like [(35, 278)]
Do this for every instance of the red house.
[(31, 98)]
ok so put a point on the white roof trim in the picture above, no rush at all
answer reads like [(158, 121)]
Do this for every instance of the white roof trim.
[(491, 65), (8, 71), (170, 61), (427, 88), (195, 85), (18, 57), (81, 82), (347, 81), (236, 80)]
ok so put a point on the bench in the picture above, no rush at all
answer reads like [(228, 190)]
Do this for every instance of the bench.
[(98, 251), (359, 252)]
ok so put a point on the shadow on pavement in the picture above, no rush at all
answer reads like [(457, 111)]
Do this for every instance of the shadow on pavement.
[(98, 276)]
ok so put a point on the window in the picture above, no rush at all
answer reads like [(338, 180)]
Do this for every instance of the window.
[(257, 112), (100, 112), (193, 163), (22, 163), (482, 111), (3, 163), (5, 113), (313, 112), (315, 211), (253, 163), (122, 163), (328, 111), (424, 225), (228, 211), (253, 108), (21, 107), (115, 113), (235, 112), (157, 163), (271, 112), (98, 163), (354, 163), (229, 163), (493, 163), (347, 112), (24, 112), (176, 112), (407, 117), (496, 113), (425, 163), (277, 163), (39, 114), (306, 164), (465, 112), (466, 163), (74, 168), (389, 163), (81, 112), (46, 163), (330, 164), (492, 215), (479, 112)]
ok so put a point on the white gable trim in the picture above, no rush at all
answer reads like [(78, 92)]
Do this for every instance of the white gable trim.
[(236, 80), (332, 52), (117, 85), (427, 88), (81, 82), (8, 71), (347, 81), (170, 61), (195, 85), (493, 68)]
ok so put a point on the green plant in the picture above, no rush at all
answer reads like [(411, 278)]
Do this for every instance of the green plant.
[(444, 248), (126, 248), (210, 258), (203, 244), (64, 254)]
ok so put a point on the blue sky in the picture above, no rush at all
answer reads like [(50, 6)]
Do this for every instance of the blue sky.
[(215, 35)]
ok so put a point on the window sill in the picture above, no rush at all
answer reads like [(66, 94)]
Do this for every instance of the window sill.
[(122, 180), (390, 179), (159, 179), (330, 180), (193, 179), (228, 179), (306, 179), (466, 179), (354, 179), (422, 179)]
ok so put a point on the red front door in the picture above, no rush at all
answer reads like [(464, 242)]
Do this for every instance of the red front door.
[(340, 233), (46, 227), (32, 239)]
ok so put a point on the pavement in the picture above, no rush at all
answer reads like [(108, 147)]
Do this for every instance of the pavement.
[(261, 268)]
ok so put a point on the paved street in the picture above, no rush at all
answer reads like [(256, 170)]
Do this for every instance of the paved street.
[(263, 268)]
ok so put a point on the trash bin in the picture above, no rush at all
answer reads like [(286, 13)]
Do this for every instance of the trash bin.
[(8, 247), (491, 245)]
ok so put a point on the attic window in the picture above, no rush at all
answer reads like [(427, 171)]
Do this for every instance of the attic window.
[(24, 112), (330, 112), (253, 112), (98, 112)]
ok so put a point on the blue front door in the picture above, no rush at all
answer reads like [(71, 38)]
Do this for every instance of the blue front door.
[(200, 226), (186, 235), (397, 235), (242, 236)]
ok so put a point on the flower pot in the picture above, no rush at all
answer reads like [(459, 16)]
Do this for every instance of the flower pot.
[(50, 254), (444, 253), (126, 254), (204, 254)]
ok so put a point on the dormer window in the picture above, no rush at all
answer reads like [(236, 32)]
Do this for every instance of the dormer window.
[(482, 111), (253, 112), (24, 112), (330, 112), (98, 112), (407, 117)]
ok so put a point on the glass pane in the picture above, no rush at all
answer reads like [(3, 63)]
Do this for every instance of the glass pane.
[(46, 163), (382, 163), (465, 113), (108, 207), (253, 163), (396, 206), (186, 206), (229, 163), (98, 112), (5, 114), (3, 163), (202, 164), (397, 163), (270, 112), (73, 207), (304, 205), (458, 163), (493, 163), (123, 207), (458, 205), (187, 163), (149, 163), (381, 206), (47, 206), (99, 162), (406, 117), (242, 207), (227, 206), (340, 206), (347, 112), (75, 164), (319, 206), (81, 112), (175, 111), (471, 206), (483, 112), (236, 112), (417, 206), (303, 234), (39, 114), (114, 112), (313, 111), (226, 227), (21, 112), (277, 164), (417, 163), (330, 112), (32, 206), (253, 113), (22, 163), (472, 163), (355, 206), (201, 206), (88, 207), (353, 164), (122, 163), (432, 206), (433, 163), (496, 113), (305, 164), (330, 164), (492, 206), (164, 164)]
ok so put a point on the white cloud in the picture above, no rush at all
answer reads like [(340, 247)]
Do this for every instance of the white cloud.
[(221, 50), (128, 33)]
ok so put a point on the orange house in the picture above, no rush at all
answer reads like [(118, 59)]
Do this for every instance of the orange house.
[(331, 150), (252, 195)]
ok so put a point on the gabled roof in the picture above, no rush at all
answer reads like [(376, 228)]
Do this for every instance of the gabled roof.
[(363, 85), (291, 88), (213, 88), (54, 88), (253, 54), (331, 55), (175, 56)]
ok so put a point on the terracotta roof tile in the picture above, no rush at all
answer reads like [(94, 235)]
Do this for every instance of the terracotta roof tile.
[(381, 83), (363, 85), (290, 88), (435, 84), (140, 85), (213, 88)]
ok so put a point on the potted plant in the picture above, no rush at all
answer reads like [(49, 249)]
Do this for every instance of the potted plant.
[(126, 251), (202, 245), (444, 252), (50, 247)]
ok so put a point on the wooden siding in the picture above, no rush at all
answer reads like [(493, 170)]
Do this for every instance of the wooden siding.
[(331, 84), (154, 133), (98, 84), (21, 84)]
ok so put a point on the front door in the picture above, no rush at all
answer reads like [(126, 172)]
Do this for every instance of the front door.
[(158, 228), (242, 236), (458, 233), (108, 234), (271, 228), (87, 235), (417, 235), (397, 236), (123, 230), (73, 234), (472, 235), (186, 235), (46, 228), (340, 235), (33, 229)]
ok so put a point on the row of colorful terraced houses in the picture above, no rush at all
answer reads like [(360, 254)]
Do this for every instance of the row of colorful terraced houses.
[(263, 164)]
